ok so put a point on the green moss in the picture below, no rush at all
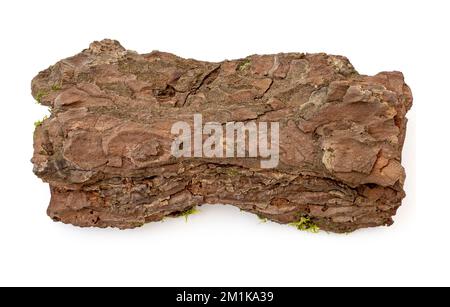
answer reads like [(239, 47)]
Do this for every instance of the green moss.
[(187, 212), (137, 224), (56, 87), (244, 65), (41, 94), (232, 172), (262, 218), (44, 92), (39, 122), (305, 224)]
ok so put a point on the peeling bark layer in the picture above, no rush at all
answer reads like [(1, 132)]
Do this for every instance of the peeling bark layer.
[(105, 149)]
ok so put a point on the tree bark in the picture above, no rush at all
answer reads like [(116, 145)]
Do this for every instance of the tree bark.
[(106, 148)]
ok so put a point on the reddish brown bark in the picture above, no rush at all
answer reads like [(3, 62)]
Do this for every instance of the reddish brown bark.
[(105, 150)]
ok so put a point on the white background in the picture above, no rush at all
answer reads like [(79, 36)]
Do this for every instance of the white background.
[(222, 246)]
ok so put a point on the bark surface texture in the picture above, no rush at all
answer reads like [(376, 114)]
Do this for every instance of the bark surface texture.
[(105, 149)]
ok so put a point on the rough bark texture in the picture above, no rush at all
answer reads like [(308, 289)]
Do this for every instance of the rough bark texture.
[(105, 149)]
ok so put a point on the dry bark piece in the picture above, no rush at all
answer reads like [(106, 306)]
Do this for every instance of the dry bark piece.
[(105, 149)]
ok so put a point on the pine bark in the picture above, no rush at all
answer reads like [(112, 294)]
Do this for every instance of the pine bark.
[(105, 149)]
